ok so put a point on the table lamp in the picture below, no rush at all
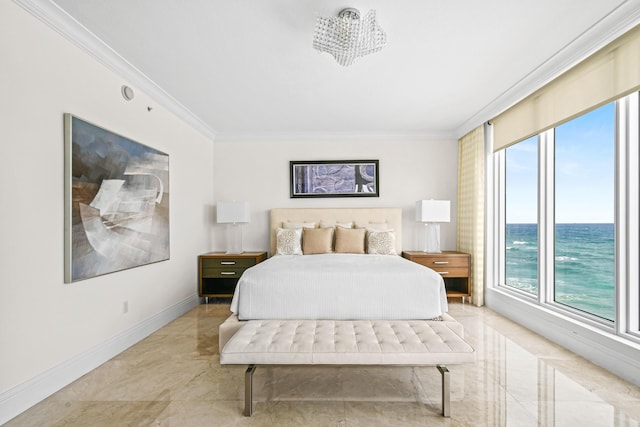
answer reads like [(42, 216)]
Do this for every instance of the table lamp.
[(234, 214), (432, 213)]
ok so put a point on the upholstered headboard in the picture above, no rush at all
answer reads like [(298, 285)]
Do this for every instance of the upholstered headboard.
[(391, 216)]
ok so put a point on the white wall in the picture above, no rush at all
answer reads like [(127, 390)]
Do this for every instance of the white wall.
[(45, 323), (258, 172)]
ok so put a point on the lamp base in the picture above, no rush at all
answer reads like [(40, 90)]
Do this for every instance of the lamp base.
[(234, 238), (432, 238)]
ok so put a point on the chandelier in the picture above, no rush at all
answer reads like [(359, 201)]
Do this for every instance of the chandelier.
[(349, 36)]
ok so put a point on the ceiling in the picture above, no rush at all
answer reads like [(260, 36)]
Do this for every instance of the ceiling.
[(246, 69)]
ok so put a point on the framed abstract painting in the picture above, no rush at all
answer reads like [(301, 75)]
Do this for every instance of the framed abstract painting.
[(116, 202), (334, 178)]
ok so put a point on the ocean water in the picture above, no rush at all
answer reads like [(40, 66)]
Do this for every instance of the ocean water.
[(584, 264)]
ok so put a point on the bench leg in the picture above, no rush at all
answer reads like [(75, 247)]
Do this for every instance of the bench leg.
[(248, 390), (446, 392)]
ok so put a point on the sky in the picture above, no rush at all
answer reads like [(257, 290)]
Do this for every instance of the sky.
[(584, 172)]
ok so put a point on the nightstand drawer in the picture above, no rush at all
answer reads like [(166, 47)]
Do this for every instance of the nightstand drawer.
[(232, 263), (451, 271), (443, 262), (222, 272)]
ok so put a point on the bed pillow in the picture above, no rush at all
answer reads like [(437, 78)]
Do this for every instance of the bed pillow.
[(376, 226), (288, 241), (350, 240), (327, 224), (292, 224), (381, 242), (317, 240)]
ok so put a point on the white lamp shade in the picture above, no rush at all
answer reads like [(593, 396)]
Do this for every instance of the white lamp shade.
[(232, 212), (433, 211)]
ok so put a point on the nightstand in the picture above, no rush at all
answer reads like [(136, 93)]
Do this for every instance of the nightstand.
[(454, 267), (218, 272)]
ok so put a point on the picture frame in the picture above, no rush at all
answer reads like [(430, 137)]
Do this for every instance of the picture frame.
[(334, 178), (116, 193)]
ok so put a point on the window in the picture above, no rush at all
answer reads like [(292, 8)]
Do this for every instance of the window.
[(521, 205), (568, 208), (584, 262)]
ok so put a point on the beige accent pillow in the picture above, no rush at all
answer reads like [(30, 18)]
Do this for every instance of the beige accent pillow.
[(291, 224), (288, 241), (381, 242), (350, 240), (326, 224), (316, 240), (376, 226)]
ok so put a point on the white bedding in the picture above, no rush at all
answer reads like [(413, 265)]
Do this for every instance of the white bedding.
[(340, 287)]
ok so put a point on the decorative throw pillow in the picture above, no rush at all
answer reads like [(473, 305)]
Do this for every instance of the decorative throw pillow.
[(350, 240), (316, 240), (381, 242), (288, 241), (291, 224)]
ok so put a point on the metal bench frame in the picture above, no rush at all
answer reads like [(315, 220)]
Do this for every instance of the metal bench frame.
[(446, 390)]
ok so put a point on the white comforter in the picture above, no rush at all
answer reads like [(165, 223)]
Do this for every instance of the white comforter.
[(339, 286)]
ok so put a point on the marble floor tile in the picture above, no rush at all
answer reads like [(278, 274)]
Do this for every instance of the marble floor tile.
[(174, 378)]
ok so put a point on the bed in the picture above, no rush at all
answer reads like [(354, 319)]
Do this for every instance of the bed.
[(333, 295), (338, 264)]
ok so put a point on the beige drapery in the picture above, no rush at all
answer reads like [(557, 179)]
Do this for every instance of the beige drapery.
[(471, 209), (608, 74)]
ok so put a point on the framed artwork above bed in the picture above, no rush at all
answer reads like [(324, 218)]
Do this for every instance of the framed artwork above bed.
[(334, 178)]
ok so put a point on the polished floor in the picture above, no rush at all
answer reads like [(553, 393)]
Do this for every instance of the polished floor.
[(173, 378)]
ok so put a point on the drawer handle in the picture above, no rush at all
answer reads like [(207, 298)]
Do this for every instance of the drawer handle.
[(227, 263), (441, 262), (228, 273), (443, 272)]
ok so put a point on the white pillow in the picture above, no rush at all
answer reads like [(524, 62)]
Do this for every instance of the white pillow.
[(376, 226), (288, 241), (326, 224), (381, 242), (291, 224)]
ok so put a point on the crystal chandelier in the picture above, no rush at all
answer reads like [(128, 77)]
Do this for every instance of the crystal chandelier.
[(349, 36)]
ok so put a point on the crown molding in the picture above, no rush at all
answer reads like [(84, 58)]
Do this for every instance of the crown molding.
[(52, 15), (619, 21), (332, 136)]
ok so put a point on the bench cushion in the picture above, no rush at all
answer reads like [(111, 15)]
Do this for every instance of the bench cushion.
[(232, 325), (347, 342)]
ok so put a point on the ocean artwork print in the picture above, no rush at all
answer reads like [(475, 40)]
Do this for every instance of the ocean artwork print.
[(116, 202), (584, 265)]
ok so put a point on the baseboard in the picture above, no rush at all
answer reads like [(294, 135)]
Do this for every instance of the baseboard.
[(619, 356), (20, 398)]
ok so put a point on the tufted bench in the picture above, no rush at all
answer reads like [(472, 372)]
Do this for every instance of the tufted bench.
[(347, 342)]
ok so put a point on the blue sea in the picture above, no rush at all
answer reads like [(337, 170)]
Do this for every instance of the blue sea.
[(584, 264)]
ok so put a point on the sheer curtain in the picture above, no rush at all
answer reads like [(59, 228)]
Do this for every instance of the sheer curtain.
[(471, 212)]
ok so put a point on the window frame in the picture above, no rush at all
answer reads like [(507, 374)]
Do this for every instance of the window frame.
[(628, 215)]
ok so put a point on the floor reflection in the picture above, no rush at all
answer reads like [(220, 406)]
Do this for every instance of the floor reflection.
[(173, 378), (528, 380)]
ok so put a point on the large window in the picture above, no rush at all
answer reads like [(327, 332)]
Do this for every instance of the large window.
[(521, 211), (568, 217)]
